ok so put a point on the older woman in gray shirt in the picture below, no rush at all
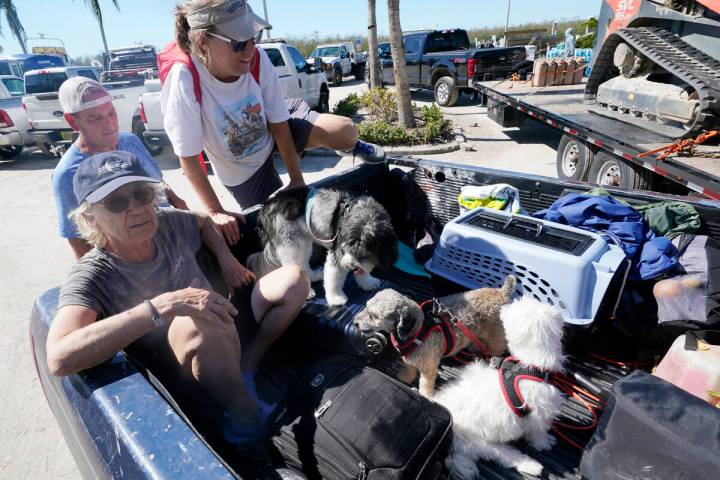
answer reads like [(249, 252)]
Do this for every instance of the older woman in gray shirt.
[(143, 282)]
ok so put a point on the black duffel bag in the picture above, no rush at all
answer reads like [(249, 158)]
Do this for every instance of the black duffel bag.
[(652, 429), (344, 420)]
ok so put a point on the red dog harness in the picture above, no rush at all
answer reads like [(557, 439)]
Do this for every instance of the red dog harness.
[(438, 319), (510, 372)]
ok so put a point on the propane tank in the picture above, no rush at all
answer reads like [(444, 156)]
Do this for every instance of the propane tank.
[(577, 78), (562, 66), (539, 72), (551, 72), (570, 71)]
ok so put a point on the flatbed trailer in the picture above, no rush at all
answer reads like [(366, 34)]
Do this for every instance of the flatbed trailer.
[(603, 146)]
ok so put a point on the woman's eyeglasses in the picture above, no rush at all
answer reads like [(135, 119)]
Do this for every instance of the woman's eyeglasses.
[(119, 203), (237, 47)]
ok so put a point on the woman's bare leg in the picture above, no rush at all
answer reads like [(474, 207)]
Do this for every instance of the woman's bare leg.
[(276, 300), (211, 355), (333, 131)]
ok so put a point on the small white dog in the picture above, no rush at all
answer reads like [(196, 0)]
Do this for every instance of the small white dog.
[(483, 420)]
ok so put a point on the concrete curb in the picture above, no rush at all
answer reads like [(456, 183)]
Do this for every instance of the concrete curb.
[(402, 150)]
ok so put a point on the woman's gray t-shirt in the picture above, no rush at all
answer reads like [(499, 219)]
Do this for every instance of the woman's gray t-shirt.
[(109, 285)]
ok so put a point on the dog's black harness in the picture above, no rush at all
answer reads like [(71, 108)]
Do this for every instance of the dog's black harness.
[(437, 320), (510, 372)]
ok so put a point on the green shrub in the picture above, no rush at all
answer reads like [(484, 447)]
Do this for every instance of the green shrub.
[(436, 127), (382, 104), (348, 106), (382, 133)]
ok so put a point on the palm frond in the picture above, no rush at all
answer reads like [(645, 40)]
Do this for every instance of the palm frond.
[(13, 20)]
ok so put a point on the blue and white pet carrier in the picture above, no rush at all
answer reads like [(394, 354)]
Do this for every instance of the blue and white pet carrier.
[(557, 264)]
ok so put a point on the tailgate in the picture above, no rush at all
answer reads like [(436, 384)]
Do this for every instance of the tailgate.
[(498, 61), (44, 112), (153, 113)]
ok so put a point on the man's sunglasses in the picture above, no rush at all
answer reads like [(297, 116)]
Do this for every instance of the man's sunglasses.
[(237, 47), (119, 203)]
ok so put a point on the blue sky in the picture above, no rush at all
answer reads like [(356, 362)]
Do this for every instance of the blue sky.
[(151, 21)]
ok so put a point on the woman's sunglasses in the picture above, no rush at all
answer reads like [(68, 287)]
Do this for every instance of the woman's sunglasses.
[(119, 203), (237, 47)]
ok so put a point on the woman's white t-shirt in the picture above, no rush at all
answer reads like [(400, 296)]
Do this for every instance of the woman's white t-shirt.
[(230, 123)]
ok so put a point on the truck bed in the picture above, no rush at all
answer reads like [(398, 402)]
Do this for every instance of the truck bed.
[(120, 419), (562, 107)]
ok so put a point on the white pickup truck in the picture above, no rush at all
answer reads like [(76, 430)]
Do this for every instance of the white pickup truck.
[(13, 120), (48, 127), (340, 60), (298, 78)]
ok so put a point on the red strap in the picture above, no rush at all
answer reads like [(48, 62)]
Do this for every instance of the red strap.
[(479, 344), (169, 56), (255, 68)]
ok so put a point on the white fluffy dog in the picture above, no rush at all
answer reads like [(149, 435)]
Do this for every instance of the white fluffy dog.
[(483, 420)]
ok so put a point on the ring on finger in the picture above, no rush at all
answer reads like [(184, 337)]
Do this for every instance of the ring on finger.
[(219, 301)]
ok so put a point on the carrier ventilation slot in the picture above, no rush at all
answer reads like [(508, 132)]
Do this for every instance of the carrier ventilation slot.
[(491, 272)]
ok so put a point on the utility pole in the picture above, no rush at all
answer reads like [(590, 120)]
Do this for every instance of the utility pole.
[(507, 23), (266, 18)]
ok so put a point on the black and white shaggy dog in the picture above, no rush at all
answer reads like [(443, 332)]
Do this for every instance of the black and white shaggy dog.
[(356, 231)]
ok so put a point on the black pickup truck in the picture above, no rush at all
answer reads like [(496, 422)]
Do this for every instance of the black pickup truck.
[(442, 61)]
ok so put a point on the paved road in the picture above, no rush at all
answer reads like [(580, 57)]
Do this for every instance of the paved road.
[(34, 259)]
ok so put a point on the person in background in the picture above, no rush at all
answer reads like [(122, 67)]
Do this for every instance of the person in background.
[(569, 50), (141, 289), (239, 122), (89, 110)]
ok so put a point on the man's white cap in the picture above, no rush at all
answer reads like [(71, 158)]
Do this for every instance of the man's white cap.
[(73, 90), (234, 18)]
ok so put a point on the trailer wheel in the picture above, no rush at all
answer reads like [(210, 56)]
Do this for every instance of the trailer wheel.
[(573, 158), (445, 92), (610, 171), (10, 151)]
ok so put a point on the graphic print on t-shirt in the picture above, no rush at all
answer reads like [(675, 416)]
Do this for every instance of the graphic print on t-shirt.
[(243, 124)]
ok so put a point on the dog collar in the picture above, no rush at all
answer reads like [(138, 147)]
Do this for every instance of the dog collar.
[(342, 207), (510, 372), (432, 322)]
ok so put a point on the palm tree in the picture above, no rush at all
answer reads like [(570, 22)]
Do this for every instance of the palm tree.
[(15, 26), (373, 59), (402, 89), (94, 6)]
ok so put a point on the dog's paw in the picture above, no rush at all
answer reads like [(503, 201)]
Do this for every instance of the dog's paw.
[(368, 282), (543, 442), (336, 300), (529, 466), (316, 274)]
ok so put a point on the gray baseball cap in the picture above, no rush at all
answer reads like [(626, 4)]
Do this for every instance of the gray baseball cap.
[(234, 18)]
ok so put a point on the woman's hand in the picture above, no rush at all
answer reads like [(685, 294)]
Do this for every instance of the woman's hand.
[(296, 182), (228, 224), (236, 275), (197, 303)]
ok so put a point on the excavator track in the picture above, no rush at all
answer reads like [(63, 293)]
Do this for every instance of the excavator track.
[(675, 56)]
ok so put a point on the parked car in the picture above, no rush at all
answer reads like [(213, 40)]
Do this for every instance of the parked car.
[(298, 79), (136, 63), (442, 61), (340, 60), (119, 420), (48, 127), (13, 119)]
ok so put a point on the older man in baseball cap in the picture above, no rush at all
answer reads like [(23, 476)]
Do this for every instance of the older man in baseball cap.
[(89, 110)]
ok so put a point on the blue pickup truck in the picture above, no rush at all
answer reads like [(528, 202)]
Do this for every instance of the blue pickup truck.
[(122, 420)]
